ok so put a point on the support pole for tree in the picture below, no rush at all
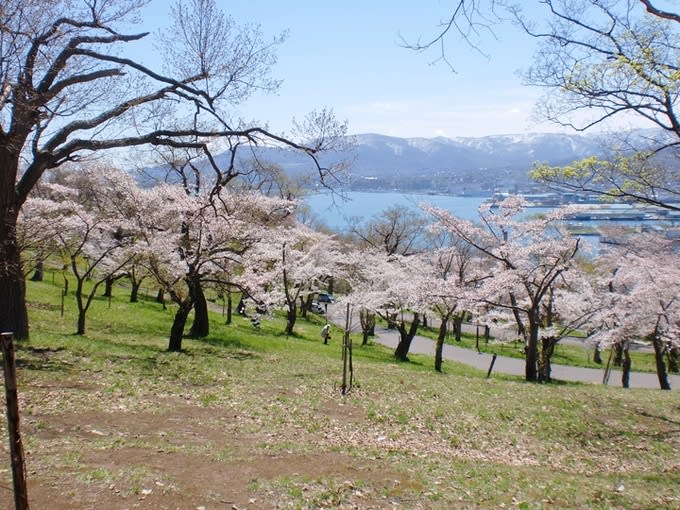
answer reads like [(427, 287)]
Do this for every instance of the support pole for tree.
[(16, 448), (346, 356), (607, 370), (493, 360)]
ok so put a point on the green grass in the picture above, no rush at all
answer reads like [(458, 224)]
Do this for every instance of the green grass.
[(405, 436)]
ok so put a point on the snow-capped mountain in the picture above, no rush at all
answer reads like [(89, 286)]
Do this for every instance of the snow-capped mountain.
[(452, 165), (381, 153)]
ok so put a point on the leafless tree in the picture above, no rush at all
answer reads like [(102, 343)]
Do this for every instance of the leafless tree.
[(599, 62), (69, 88), (397, 230)]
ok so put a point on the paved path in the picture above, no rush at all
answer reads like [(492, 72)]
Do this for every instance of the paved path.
[(515, 366)]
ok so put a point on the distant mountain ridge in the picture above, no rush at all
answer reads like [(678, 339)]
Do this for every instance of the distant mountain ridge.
[(452, 165), (467, 153), (460, 165)]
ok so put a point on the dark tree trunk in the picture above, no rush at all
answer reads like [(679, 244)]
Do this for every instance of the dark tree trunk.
[(618, 354), (134, 292), (177, 329), (367, 320), (530, 371), (80, 330), (305, 305), (458, 326), (625, 366), (13, 314), (201, 325), (39, 272), (406, 337), (545, 366), (160, 297), (291, 317), (84, 301), (439, 347), (108, 286), (660, 364), (80, 326), (229, 307), (597, 355)]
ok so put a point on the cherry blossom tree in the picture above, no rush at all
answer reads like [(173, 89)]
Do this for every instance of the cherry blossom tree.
[(640, 288), (396, 232), (73, 85), (391, 286), (37, 229), (290, 264), (454, 272), (531, 258), (90, 228), (213, 235)]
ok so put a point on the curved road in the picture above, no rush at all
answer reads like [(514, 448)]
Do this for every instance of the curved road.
[(515, 366)]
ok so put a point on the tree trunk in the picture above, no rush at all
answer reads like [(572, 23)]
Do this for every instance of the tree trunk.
[(39, 272), (201, 325), (82, 308), (134, 292), (108, 286), (439, 347), (625, 366), (660, 364), (597, 355), (305, 305), (291, 317), (367, 320), (544, 366), (13, 314), (229, 307), (458, 326), (177, 329), (530, 371), (618, 354), (406, 337), (80, 330)]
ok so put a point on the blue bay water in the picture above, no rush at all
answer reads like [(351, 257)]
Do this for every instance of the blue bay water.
[(336, 213)]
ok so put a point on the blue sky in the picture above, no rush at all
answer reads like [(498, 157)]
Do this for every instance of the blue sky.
[(348, 56)]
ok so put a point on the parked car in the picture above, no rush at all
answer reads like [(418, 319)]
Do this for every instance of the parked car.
[(317, 308), (325, 297)]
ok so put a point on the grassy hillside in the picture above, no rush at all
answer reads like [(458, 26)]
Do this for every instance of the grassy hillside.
[(251, 419)]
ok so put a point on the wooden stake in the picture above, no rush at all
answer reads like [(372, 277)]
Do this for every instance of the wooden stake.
[(16, 448)]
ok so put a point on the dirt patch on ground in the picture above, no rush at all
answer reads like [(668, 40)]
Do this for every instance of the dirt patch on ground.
[(183, 456)]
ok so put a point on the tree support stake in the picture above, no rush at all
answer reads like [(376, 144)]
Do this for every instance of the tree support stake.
[(16, 448)]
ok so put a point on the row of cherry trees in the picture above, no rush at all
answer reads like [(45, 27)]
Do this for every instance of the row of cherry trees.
[(528, 276), (522, 274)]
